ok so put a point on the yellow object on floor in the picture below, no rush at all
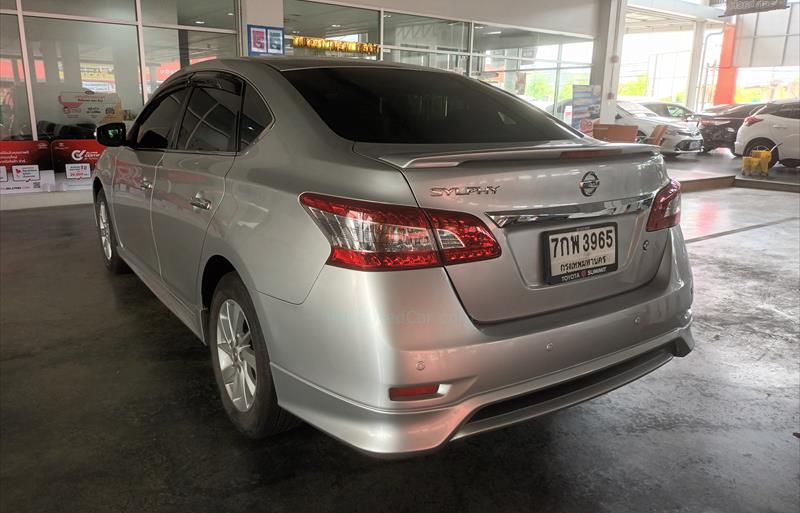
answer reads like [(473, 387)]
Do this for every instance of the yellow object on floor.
[(757, 163)]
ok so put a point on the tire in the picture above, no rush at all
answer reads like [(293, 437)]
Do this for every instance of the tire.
[(762, 144), (107, 235), (791, 162), (260, 416)]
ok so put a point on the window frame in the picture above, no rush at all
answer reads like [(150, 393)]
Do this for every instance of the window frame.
[(789, 107), (150, 107), (192, 83)]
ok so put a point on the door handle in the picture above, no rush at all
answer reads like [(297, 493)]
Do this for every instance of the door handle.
[(778, 126), (146, 185), (200, 202)]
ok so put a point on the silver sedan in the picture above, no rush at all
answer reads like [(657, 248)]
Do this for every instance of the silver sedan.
[(399, 256)]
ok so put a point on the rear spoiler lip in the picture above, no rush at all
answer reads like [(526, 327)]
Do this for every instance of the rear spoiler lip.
[(455, 159)]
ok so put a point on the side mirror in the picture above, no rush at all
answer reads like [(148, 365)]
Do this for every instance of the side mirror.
[(618, 117), (111, 134)]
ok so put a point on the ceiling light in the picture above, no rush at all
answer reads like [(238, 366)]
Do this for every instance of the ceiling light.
[(200, 22), (295, 32), (493, 33), (335, 25), (479, 27), (387, 15), (230, 14)]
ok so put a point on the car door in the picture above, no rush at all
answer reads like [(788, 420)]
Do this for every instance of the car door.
[(190, 180), (132, 186), (785, 129)]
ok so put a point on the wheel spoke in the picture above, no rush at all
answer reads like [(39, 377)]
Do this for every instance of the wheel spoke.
[(248, 356)]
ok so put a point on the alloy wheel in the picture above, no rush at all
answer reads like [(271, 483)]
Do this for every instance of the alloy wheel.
[(236, 356), (105, 230)]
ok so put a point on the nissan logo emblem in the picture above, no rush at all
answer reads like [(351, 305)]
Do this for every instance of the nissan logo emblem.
[(589, 183)]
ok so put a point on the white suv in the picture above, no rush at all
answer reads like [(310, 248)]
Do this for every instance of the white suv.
[(776, 124)]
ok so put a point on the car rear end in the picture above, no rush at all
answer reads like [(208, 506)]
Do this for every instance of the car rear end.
[(526, 276)]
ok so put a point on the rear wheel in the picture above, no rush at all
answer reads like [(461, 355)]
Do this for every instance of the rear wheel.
[(762, 145), (107, 235), (241, 363)]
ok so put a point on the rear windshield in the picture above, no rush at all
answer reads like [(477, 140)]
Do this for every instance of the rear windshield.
[(385, 105)]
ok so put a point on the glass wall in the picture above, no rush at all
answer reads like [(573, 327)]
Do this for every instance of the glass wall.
[(85, 72), (15, 121), (539, 67), (79, 65), (325, 21)]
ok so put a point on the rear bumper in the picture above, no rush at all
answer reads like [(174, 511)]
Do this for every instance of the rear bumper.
[(335, 356)]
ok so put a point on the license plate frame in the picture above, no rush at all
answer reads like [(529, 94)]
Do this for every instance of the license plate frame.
[(572, 276)]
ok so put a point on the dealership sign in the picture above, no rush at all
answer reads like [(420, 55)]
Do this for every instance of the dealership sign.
[(334, 45), (734, 7)]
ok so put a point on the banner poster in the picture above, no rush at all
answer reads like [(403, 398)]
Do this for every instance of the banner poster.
[(77, 158), (585, 107), (263, 40), (26, 166)]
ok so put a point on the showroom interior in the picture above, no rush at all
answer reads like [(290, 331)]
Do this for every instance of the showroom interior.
[(108, 401)]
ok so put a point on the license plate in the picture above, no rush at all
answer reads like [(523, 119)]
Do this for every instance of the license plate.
[(580, 253)]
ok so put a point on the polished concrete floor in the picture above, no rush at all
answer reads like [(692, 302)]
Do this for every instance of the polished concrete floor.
[(107, 403), (722, 163)]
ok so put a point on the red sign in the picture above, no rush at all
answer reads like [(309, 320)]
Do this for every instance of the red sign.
[(76, 156), (18, 153)]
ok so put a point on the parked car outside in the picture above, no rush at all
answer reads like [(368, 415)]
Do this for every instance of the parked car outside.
[(672, 110), (681, 137), (719, 128), (398, 255), (776, 127)]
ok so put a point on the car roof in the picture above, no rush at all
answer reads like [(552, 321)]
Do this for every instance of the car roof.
[(784, 102)]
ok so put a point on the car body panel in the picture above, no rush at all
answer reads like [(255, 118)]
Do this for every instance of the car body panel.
[(338, 338)]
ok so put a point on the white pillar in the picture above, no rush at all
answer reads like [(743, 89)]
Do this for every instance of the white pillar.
[(606, 55), (695, 65), (259, 12)]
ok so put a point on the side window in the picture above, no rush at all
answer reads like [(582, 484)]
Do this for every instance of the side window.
[(255, 118), (675, 111), (791, 111), (155, 129), (211, 116)]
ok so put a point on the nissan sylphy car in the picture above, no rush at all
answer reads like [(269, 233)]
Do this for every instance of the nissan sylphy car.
[(399, 256)]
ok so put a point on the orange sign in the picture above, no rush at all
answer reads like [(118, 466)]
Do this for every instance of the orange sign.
[(334, 45)]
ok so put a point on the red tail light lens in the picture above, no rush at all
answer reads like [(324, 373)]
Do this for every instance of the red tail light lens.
[(463, 237), (752, 120), (411, 393), (666, 209), (372, 236)]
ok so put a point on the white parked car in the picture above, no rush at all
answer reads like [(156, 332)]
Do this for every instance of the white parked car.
[(681, 137), (672, 110), (775, 124)]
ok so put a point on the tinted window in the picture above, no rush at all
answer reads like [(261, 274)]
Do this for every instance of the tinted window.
[(211, 116), (407, 106), (676, 111), (634, 109), (791, 111), (155, 129), (254, 119)]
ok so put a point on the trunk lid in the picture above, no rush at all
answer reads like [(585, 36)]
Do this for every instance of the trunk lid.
[(523, 192)]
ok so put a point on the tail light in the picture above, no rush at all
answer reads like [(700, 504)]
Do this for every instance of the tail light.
[(752, 120), (666, 209), (372, 236)]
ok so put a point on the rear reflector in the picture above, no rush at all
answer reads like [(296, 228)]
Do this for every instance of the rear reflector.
[(412, 393), (666, 209), (372, 236)]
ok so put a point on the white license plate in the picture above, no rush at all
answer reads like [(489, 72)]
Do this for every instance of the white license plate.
[(579, 253)]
